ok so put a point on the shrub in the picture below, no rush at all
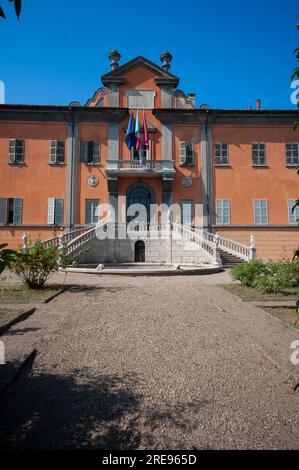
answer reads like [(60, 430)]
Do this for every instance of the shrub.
[(279, 276), (35, 265), (247, 272), (5, 256)]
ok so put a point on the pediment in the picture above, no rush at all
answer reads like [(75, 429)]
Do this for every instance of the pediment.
[(118, 75)]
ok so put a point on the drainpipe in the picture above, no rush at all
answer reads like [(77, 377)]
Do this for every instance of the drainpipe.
[(72, 169), (208, 163)]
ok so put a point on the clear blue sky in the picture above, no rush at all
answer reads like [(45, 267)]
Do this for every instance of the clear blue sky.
[(229, 52)]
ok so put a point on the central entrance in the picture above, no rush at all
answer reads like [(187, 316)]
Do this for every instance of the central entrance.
[(139, 252), (142, 196)]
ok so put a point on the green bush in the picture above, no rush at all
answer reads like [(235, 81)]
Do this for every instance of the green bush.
[(247, 272), (6, 256), (268, 277), (35, 265)]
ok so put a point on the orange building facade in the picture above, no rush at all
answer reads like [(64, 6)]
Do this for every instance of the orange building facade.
[(60, 165)]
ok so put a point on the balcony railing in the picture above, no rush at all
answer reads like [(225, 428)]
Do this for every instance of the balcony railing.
[(150, 167)]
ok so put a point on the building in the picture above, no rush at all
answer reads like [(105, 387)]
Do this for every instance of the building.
[(58, 164)]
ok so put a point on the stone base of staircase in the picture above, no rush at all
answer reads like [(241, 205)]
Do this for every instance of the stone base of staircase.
[(229, 261)]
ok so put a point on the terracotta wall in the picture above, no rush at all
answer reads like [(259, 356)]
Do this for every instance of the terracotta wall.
[(13, 235), (271, 243), (241, 183), (92, 132), (36, 180)]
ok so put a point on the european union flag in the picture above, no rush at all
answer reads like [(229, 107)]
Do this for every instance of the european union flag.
[(130, 134)]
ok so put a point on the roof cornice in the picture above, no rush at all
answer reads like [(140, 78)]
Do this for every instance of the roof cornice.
[(9, 112)]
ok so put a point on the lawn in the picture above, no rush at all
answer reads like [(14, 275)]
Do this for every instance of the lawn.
[(21, 293), (249, 293), (284, 313)]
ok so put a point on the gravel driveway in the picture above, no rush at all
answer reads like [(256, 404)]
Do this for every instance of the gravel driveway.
[(156, 363)]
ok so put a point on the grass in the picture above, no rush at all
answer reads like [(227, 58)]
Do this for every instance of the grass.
[(8, 314), (21, 293), (287, 314), (249, 293)]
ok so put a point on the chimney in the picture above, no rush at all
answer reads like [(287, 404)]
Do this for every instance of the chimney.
[(166, 58), (114, 57), (258, 104)]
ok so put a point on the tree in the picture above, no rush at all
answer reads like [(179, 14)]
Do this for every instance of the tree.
[(18, 7)]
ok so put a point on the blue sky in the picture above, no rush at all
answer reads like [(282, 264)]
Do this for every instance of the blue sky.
[(229, 52)]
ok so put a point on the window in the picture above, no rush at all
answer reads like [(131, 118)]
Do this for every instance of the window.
[(187, 212), (11, 211), (222, 212), (90, 152), (221, 153), (186, 153), (293, 216), (261, 211), (292, 154), (92, 207), (55, 211), (16, 151), (258, 154), (143, 153), (57, 151), (141, 99)]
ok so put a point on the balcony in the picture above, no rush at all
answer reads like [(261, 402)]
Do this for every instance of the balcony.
[(162, 168)]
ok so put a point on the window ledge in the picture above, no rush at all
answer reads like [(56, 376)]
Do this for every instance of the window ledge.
[(292, 165), (56, 164), (259, 166), (222, 165), (16, 163), (92, 164), (187, 164)]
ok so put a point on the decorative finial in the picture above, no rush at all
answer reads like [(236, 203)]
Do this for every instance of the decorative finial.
[(166, 58), (114, 57)]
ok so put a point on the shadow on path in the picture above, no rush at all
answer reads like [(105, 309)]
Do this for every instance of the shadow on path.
[(80, 410)]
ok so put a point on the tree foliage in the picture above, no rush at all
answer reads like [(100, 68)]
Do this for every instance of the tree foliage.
[(17, 5), (35, 265), (6, 257)]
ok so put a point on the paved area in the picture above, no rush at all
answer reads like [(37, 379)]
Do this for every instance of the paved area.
[(157, 363)]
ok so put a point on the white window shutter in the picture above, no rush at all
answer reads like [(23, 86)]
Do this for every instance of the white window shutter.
[(51, 211), (3, 210), (183, 152), (12, 151), (53, 151), (17, 211)]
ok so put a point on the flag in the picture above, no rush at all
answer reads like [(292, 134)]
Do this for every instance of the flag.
[(145, 132), (130, 133), (137, 131)]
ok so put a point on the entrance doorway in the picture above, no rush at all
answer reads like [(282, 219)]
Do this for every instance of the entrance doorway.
[(140, 195), (139, 251)]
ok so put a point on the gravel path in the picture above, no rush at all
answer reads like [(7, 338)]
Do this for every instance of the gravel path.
[(156, 363)]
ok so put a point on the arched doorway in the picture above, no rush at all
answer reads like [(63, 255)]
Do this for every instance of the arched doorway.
[(141, 195), (139, 251)]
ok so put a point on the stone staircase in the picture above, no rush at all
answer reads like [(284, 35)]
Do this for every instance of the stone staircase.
[(181, 244), (229, 261)]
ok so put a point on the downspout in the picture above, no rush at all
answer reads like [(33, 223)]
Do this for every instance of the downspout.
[(208, 163), (72, 169)]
